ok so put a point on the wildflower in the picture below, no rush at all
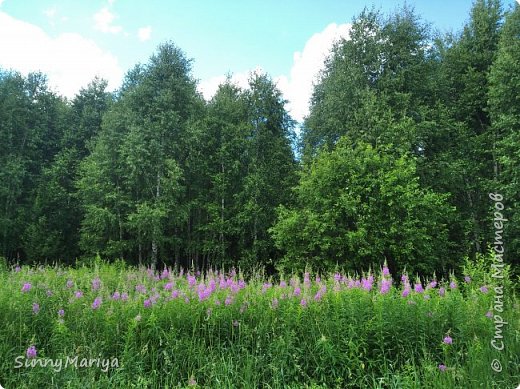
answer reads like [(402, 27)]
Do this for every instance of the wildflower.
[(165, 274), (17, 269), (61, 313), (484, 289), (31, 352), (367, 283), (97, 302), (297, 291), (453, 285), (467, 279), (274, 303), (406, 292), (228, 300), (447, 340), (96, 283), (386, 271), (442, 292), (433, 284), (175, 294), (140, 288), (78, 294), (442, 367), (303, 303), (124, 296), (36, 308), (385, 286), (191, 280), (418, 288), (337, 277), (70, 284), (116, 296), (168, 286), (404, 278), (266, 286), (26, 287), (217, 302), (283, 284), (147, 303), (489, 314)]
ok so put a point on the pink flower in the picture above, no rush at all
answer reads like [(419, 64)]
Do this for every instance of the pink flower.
[(447, 340), (484, 289), (303, 303), (26, 287), (96, 283), (31, 352), (78, 294), (36, 308), (442, 367), (97, 303), (489, 314)]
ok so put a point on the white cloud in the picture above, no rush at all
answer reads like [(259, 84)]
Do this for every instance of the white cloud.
[(50, 12), (69, 60), (1, 2), (298, 86), (103, 21), (209, 87), (144, 33)]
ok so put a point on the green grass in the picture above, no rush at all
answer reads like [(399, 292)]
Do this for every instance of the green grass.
[(264, 337)]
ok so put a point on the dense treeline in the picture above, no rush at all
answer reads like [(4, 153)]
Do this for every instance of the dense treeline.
[(408, 132)]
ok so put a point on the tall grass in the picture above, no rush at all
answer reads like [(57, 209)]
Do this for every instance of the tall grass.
[(178, 329)]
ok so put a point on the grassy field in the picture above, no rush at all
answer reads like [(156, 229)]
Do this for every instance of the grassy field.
[(114, 326)]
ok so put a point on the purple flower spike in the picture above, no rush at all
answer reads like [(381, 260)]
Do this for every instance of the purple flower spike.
[(36, 308), (447, 340), (442, 367)]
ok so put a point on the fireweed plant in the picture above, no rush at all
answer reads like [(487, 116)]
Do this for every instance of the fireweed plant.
[(181, 328)]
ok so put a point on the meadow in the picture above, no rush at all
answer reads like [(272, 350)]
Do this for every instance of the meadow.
[(116, 326)]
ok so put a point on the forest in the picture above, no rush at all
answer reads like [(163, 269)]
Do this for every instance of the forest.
[(410, 129)]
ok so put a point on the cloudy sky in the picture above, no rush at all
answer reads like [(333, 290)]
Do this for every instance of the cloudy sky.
[(72, 41)]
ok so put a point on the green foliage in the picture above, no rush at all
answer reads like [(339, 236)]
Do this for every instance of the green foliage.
[(358, 205), (346, 338)]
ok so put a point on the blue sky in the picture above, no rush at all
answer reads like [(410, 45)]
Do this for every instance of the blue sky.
[(73, 40)]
